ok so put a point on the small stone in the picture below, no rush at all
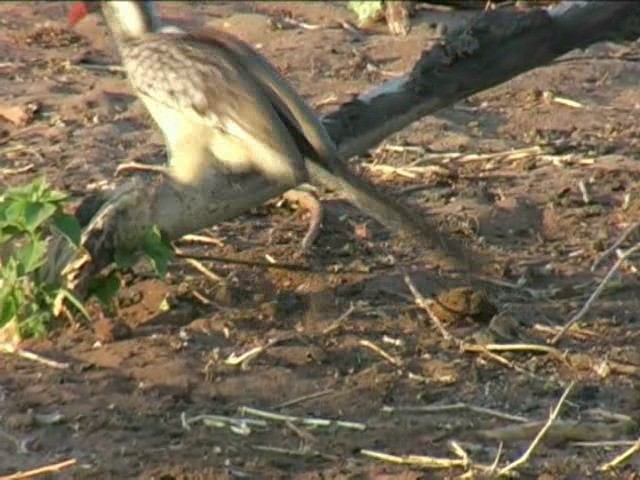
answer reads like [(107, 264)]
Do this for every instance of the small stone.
[(457, 304)]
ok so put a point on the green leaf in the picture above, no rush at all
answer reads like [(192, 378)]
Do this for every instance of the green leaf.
[(3, 209), (20, 192), (9, 272), (105, 288), (36, 191), (36, 213), (15, 213), (365, 10), (157, 250), (9, 232), (37, 187), (8, 306), (68, 226), (75, 301), (126, 259), (31, 255), (35, 325), (53, 196)]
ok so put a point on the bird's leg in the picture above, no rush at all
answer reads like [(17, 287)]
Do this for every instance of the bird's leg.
[(304, 196), (141, 167)]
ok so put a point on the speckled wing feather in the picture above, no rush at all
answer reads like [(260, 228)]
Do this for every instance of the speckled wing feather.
[(203, 87), (325, 166), (285, 99)]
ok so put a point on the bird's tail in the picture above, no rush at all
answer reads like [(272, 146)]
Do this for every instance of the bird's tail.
[(394, 216)]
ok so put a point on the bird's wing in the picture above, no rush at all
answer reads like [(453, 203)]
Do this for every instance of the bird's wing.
[(201, 80), (282, 95)]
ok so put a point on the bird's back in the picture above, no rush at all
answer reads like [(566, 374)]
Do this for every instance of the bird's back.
[(188, 84)]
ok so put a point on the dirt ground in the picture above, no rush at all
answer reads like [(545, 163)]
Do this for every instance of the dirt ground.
[(120, 406)]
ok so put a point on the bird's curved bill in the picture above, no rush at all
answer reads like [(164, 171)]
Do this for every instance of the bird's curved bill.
[(77, 12)]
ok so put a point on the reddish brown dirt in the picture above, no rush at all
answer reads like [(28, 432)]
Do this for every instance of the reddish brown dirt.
[(121, 401)]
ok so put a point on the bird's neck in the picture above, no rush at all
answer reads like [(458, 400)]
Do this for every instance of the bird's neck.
[(130, 20)]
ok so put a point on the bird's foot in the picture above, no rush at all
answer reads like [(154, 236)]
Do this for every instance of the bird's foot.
[(140, 167), (311, 203)]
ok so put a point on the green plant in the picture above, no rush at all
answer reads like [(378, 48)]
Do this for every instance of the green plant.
[(27, 215), (152, 246), (367, 11)]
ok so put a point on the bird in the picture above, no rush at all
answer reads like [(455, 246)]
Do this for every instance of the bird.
[(219, 102)]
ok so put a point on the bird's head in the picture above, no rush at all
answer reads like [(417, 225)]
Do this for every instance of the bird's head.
[(79, 10), (128, 17)]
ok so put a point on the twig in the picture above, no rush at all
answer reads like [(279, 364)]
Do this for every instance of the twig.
[(214, 277), (301, 452), (304, 398), (244, 358), (414, 149), (586, 199), (608, 416), (355, 32), (632, 268), (596, 293), (517, 347), (240, 426), (304, 434), (238, 261), (285, 22), (372, 346), (20, 133), (54, 467), (512, 154), (460, 452), (635, 448), (7, 347), (568, 102), (417, 460), (200, 297), (409, 172), (628, 231), (17, 171), (581, 333), (101, 68), (311, 422), (190, 237), (210, 420), (561, 432), (328, 100), (455, 407), (340, 320), (514, 286), (605, 444), (496, 461), (423, 303), (140, 167), (493, 356), (527, 454)]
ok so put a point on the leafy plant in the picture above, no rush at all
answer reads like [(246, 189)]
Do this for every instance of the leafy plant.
[(152, 246), (367, 11), (27, 215)]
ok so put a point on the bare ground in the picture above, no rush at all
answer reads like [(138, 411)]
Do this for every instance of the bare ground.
[(122, 399)]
